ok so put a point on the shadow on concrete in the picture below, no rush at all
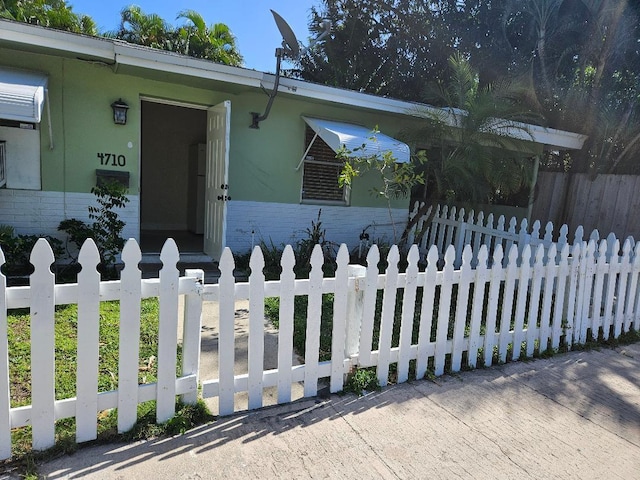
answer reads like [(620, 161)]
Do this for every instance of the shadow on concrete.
[(568, 402)]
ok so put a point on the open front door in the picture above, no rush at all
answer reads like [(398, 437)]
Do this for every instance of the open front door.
[(217, 179)]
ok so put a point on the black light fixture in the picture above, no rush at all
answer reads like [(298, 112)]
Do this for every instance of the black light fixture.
[(119, 112)]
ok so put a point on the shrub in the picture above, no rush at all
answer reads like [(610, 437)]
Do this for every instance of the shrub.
[(106, 229)]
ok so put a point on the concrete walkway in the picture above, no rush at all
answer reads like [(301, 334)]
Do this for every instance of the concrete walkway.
[(576, 415)]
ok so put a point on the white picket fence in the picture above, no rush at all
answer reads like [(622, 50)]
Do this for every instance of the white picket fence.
[(449, 317), (450, 226)]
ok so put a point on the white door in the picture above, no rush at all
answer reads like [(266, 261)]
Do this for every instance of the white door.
[(217, 179)]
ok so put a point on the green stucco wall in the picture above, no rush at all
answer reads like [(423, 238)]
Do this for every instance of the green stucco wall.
[(262, 162)]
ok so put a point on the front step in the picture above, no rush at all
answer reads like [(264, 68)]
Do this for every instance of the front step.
[(151, 264)]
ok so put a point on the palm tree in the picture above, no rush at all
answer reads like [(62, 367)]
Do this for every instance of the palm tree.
[(195, 39), (215, 42), (471, 156), (48, 13), (140, 28)]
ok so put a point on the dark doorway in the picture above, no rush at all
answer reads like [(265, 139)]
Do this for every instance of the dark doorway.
[(166, 189)]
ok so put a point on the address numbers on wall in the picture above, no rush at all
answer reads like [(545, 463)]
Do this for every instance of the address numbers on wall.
[(112, 159)]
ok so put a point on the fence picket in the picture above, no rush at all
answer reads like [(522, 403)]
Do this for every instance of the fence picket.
[(444, 310), (477, 236), (426, 312), (562, 239), (441, 229), (479, 287), (433, 228), (632, 304), (534, 305), (499, 239), (314, 312), (613, 267), (521, 302), (167, 332), (601, 269), (547, 298), (226, 333), (486, 238), (573, 320), (548, 240), (339, 320), (512, 231), (462, 307), (256, 328), (621, 297), (388, 315), (5, 398), (459, 234), (42, 283), (408, 308), (285, 327), (511, 276), (450, 228), (88, 343), (587, 269), (129, 341), (492, 306), (524, 239), (369, 307), (558, 306)]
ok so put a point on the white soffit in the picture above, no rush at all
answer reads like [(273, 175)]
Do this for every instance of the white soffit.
[(337, 135), (22, 95)]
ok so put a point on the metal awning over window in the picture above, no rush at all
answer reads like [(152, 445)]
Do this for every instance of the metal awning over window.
[(22, 95), (337, 135)]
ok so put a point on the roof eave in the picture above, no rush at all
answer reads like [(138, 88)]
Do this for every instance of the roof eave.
[(122, 53)]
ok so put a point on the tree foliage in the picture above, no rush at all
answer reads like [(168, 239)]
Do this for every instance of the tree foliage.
[(193, 38), (472, 155), (578, 61), (377, 46), (55, 14)]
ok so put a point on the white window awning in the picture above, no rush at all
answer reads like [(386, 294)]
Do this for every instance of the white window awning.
[(337, 135), (22, 95)]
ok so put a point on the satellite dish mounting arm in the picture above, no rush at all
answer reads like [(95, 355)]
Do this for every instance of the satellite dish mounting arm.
[(291, 49), (256, 118)]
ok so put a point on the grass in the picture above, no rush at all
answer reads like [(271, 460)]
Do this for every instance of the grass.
[(66, 323), (354, 382)]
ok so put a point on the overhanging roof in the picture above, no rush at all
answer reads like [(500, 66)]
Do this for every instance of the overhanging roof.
[(22, 95), (118, 53), (360, 140)]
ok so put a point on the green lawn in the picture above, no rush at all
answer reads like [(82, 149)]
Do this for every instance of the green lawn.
[(66, 327)]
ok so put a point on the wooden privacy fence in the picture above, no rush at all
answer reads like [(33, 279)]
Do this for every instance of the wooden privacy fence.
[(435, 318), (608, 202)]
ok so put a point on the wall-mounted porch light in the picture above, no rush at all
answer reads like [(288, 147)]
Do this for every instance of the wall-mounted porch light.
[(119, 112)]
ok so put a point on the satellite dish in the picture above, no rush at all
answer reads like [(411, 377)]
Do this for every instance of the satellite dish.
[(289, 40), (291, 49)]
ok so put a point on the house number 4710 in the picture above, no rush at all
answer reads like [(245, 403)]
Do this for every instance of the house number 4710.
[(112, 159)]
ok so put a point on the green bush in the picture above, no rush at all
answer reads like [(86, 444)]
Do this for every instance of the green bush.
[(17, 250), (106, 229)]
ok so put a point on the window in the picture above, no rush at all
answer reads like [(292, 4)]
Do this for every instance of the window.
[(320, 174), (21, 155), (22, 97)]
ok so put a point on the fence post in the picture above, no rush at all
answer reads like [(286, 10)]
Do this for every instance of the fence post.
[(355, 307), (191, 333)]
